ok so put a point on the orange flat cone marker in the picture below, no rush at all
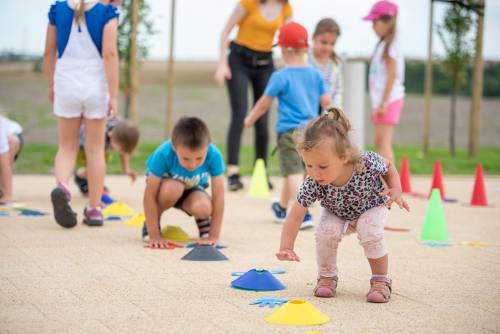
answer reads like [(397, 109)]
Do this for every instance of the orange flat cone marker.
[(479, 193), (404, 175), (437, 179)]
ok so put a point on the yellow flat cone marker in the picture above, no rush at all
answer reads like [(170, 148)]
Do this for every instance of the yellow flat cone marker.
[(434, 224), (137, 220), (259, 187), (175, 233), (118, 209), (297, 313)]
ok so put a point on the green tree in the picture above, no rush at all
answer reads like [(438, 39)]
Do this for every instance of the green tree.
[(453, 33), (145, 30)]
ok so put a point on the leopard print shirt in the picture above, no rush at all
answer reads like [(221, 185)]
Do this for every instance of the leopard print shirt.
[(358, 195)]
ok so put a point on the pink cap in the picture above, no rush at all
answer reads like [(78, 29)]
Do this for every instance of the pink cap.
[(381, 8)]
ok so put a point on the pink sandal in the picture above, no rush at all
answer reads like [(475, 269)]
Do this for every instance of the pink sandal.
[(326, 287), (380, 291)]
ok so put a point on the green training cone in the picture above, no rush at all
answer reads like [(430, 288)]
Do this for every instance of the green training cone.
[(434, 224), (259, 188)]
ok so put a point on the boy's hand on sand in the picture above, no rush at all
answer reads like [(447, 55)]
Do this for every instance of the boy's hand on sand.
[(395, 196), (223, 72), (160, 243), (287, 255), (208, 241)]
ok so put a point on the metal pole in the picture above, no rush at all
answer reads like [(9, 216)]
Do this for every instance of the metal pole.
[(428, 83), (134, 23), (354, 98), (477, 86), (170, 74)]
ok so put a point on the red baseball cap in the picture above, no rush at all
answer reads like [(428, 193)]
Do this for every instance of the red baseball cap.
[(382, 8), (293, 35)]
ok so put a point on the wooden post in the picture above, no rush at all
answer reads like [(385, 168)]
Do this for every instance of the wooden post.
[(133, 80), (428, 83), (477, 86), (170, 74)]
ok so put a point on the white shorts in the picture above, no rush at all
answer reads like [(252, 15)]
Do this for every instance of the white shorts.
[(80, 89)]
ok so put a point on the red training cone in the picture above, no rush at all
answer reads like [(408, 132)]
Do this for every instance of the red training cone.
[(437, 179), (404, 175), (479, 193)]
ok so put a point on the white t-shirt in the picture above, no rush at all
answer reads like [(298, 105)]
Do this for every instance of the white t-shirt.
[(378, 74), (7, 128), (332, 74)]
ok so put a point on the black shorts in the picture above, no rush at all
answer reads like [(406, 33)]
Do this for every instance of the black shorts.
[(185, 195)]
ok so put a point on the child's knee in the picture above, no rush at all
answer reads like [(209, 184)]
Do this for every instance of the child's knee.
[(170, 191), (201, 209), (374, 245)]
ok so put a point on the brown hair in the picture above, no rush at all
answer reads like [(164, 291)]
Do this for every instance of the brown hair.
[(191, 132), (333, 125), (328, 25), (127, 135), (80, 12), (389, 37)]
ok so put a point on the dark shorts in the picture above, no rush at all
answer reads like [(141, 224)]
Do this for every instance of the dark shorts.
[(185, 195), (21, 144), (290, 160)]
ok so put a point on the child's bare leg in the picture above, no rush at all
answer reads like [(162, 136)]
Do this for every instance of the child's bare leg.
[(5, 177), (14, 146), (291, 186), (96, 165), (199, 205), (383, 140), (69, 144), (379, 266)]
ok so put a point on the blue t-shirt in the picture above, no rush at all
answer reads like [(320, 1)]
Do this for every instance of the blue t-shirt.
[(164, 163), (298, 90), (61, 16)]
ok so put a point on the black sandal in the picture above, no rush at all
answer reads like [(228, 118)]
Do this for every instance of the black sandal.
[(63, 213)]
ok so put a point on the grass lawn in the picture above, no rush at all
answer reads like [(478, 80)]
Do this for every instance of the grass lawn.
[(38, 159)]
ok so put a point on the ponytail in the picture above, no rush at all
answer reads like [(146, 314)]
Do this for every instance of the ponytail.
[(80, 12)]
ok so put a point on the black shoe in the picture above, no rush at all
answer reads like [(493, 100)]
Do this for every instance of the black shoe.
[(234, 182), (82, 184)]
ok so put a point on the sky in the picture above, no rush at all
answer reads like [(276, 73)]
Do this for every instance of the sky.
[(199, 23)]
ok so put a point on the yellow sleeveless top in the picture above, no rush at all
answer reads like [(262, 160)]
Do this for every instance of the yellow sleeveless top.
[(255, 31)]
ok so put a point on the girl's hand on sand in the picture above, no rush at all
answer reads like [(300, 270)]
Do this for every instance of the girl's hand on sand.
[(395, 196), (112, 108), (131, 174), (287, 255), (223, 72)]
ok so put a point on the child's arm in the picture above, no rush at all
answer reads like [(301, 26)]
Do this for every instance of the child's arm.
[(110, 57), (124, 158), (217, 209), (49, 58), (260, 108), (394, 186), (391, 77), (325, 101), (151, 212), (289, 233)]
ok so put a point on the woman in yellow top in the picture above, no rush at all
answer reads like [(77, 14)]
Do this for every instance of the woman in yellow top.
[(249, 59)]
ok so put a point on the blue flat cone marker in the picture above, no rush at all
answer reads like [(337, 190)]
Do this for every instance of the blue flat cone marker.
[(204, 253), (259, 187), (257, 280), (434, 224)]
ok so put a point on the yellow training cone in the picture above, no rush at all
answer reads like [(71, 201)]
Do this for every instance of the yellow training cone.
[(259, 187), (175, 233), (297, 313), (118, 209), (137, 220)]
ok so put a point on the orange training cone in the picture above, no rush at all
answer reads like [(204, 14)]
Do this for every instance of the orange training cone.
[(479, 193), (404, 174), (437, 179)]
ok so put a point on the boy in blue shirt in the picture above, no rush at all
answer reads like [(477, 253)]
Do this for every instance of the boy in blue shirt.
[(177, 176), (299, 89)]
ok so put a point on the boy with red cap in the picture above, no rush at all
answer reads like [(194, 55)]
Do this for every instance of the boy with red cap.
[(299, 89)]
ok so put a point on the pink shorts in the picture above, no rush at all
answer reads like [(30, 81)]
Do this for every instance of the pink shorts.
[(392, 114)]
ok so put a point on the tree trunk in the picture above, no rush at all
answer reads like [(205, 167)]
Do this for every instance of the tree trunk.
[(428, 84), (477, 87), (133, 81), (453, 116)]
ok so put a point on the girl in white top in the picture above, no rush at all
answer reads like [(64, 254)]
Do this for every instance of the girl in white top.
[(386, 78), (81, 64), (323, 57), (11, 143)]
